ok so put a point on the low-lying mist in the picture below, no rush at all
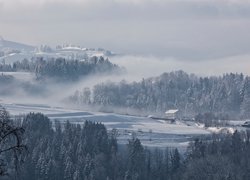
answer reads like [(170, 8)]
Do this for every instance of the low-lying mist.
[(49, 92), (26, 89), (139, 67)]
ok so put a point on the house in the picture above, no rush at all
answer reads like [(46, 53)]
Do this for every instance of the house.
[(172, 114)]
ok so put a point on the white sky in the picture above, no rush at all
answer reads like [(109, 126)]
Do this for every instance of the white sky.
[(181, 29)]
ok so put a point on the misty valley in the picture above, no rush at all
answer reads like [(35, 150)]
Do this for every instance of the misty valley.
[(82, 113)]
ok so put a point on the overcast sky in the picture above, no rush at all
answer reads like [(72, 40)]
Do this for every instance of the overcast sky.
[(182, 29)]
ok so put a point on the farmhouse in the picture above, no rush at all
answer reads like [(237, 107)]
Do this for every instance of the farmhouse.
[(172, 114)]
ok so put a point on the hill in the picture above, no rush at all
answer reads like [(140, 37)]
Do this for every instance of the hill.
[(10, 45)]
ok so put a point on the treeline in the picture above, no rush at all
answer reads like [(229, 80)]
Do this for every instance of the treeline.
[(62, 69), (225, 157), (227, 95), (74, 152)]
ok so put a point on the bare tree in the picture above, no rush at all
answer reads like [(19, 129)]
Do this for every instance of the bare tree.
[(10, 141)]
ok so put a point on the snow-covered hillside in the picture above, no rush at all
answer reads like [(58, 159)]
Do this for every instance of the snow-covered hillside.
[(6, 45), (12, 51)]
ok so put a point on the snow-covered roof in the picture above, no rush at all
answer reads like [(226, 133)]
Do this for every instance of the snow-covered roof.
[(171, 111)]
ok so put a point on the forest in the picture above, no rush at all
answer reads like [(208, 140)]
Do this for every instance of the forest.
[(73, 152), (223, 96), (39, 76), (62, 69)]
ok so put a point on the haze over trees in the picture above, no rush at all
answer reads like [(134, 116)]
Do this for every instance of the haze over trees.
[(62, 69), (39, 76), (6, 79), (78, 114), (224, 96)]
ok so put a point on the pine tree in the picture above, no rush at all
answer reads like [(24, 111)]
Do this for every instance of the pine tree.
[(136, 161), (175, 161), (245, 106)]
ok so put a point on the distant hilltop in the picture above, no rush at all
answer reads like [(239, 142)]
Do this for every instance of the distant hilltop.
[(1, 41), (1, 38), (11, 51), (11, 45), (4, 44)]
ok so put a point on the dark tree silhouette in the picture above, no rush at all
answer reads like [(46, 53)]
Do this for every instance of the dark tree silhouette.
[(10, 141)]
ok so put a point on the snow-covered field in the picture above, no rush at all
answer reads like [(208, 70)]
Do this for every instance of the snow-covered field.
[(153, 133)]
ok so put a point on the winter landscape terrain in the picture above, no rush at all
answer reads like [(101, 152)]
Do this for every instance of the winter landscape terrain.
[(124, 90), (152, 132)]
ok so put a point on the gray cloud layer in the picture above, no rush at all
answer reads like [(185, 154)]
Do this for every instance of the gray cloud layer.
[(186, 30)]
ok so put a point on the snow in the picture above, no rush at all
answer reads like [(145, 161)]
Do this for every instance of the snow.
[(20, 109), (11, 58), (152, 133), (71, 48), (67, 54), (97, 54), (27, 52), (218, 130), (171, 111)]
